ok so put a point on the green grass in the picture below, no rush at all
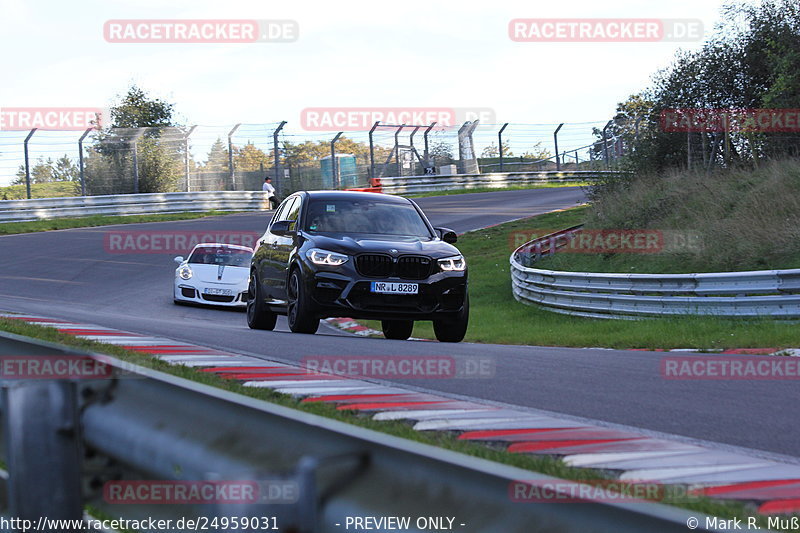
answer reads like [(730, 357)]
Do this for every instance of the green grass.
[(497, 318), (553, 185), (57, 189), (536, 463), (9, 228)]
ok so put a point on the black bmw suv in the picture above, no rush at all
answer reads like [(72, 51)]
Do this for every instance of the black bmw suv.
[(360, 255)]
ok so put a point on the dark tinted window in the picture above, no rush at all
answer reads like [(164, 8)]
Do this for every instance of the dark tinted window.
[(365, 216), (208, 255)]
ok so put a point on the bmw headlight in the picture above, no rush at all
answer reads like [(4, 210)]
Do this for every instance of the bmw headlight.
[(455, 263), (318, 256), (185, 272)]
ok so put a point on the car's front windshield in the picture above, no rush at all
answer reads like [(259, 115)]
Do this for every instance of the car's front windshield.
[(357, 215), (209, 255)]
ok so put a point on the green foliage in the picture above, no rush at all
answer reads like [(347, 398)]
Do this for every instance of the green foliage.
[(146, 125), (752, 61)]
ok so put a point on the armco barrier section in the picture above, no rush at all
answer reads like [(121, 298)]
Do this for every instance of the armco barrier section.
[(140, 424), (422, 184), (762, 293), (131, 204)]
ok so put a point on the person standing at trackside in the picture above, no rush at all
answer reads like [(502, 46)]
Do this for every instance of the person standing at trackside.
[(270, 190)]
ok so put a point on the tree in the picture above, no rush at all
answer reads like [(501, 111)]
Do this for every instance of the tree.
[(537, 152), (41, 172), (491, 150), (250, 158), (137, 110), (146, 125), (217, 160), (65, 170)]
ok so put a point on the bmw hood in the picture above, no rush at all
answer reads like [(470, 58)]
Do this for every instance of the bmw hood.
[(354, 245)]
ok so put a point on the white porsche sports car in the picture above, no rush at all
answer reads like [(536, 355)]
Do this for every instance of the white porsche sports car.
[(213, 274)]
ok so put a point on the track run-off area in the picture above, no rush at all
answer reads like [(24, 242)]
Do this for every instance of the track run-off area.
[(71, 275)]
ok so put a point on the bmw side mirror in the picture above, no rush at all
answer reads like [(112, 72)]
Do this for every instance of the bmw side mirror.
[(447, 235), (282, 228), (179, 259)]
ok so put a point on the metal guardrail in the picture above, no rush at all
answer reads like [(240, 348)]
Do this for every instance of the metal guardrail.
[(762, 293), (64, 440), (421, 184), (131, 204)]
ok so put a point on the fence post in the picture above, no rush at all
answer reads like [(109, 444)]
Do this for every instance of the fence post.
[(136, 166), (80, 161), (43, 453), (277, 155), (427, 153), (334, 166), (605, 143), (555, 140), (372, 150), (397, 151), (186, 158), (230, 156), (27, 163), (500, 144)]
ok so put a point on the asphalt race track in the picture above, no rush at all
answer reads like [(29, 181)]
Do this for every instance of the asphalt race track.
[(70, 275)]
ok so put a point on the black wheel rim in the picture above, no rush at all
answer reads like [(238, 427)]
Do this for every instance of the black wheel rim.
[(294, 287), (251, 298)]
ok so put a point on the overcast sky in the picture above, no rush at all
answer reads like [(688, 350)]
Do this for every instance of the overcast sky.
[(413, 53)]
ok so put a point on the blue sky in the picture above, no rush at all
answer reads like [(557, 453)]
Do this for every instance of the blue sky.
[(351, 54)]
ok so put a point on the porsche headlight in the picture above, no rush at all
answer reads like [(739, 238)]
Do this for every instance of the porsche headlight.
[(455, 263), (185, 272), (319, 256)]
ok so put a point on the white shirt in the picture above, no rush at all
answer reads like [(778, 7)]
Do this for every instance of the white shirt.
[(268, 188)]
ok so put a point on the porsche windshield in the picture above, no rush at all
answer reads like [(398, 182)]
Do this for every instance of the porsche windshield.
[(221, 256), (365, 216)]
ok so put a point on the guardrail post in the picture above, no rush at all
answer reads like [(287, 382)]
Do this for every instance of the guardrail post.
[(230, 156), (500, 144), (372, 151), (555, 140), (186, 158), (334, 166), (27, 163), (277, 155), (80, 161), (43, 452)]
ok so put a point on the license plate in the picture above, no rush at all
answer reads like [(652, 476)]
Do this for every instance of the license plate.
[(390, 287), (218, 292)]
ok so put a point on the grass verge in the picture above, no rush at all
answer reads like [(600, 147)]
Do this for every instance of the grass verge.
[(497, 318), (10, 228), (448, 440), (55, 189)]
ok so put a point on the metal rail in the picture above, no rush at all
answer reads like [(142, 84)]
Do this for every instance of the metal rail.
[(145, 425), (421, 184), (131, 204), (761, 293)]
